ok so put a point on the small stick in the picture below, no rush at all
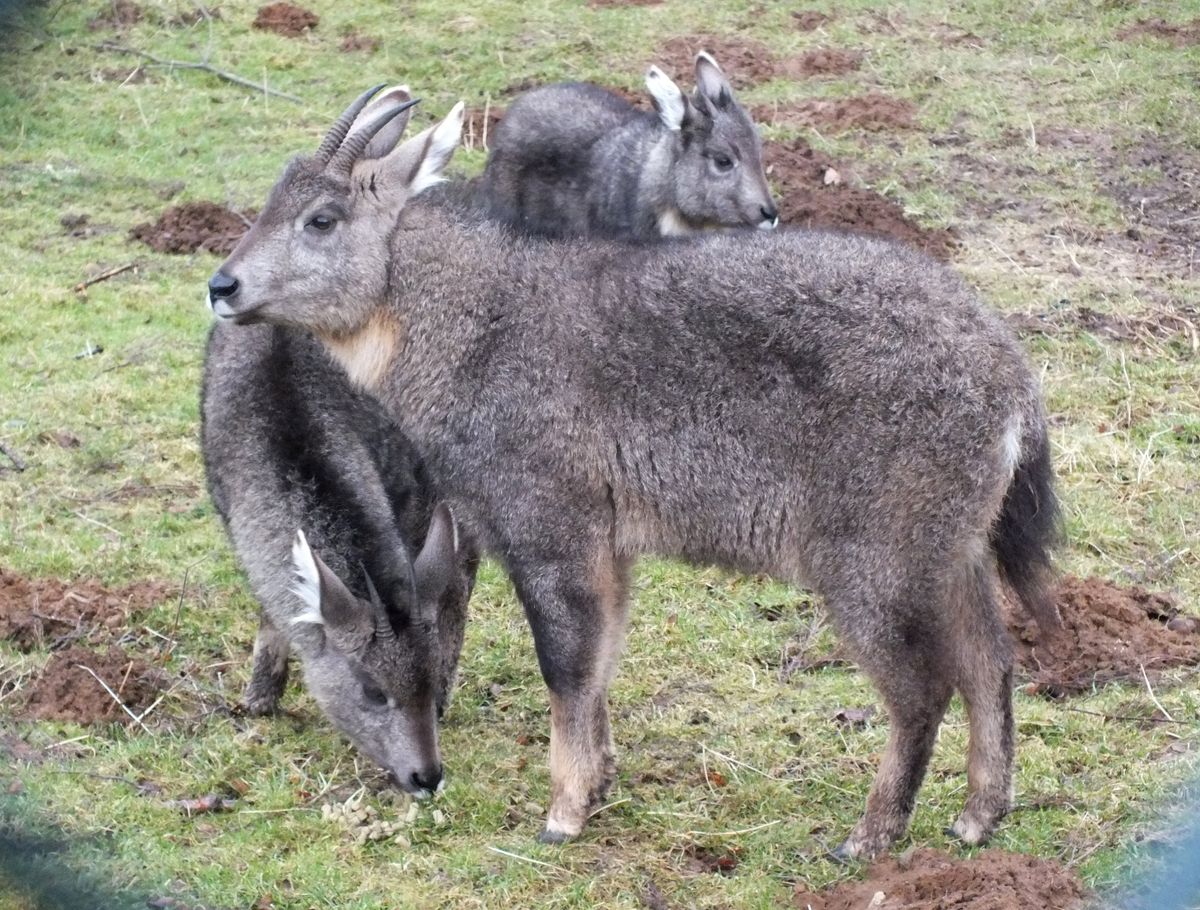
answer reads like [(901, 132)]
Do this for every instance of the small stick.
[(526, 859), (103, 276), (203, 65), (12, 456), (1157, 703), (115, 698), (487, 106)]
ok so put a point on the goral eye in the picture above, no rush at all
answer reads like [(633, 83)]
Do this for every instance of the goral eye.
[(723, 162), (321, 223), (373, 694)]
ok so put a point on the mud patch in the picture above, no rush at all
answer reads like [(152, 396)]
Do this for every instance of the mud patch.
[(931, 880), (285, 19), (66, 691), (1182, 34), (746, 62), (825, 61), (1158, 188), (813, 193), (355, 42), (119, 15), (38, 612), (874, 112), (194, 226), (809, 20), (479, 125), (1110, 632)]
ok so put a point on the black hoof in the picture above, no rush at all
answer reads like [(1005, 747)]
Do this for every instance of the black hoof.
[(557, 838)]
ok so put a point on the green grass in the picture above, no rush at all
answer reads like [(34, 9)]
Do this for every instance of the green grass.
[(699, 698)]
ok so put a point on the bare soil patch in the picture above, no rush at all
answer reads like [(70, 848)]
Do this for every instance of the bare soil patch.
[(746, 62), (479, 125), (1148, 329), (825, 61), (932, 880), (1180, 34), (1158, 187), (194, 226), (1110, 632), (285, 19), (119, 14), (874, 112), (356, 42), (809, 20), (66, 691), (35, 612), (814, 193)]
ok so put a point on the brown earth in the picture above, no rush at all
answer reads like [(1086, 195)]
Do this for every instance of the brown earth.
[(874, 112), (1147, 329), (285, 19), (746, 62), (931, 880), (194, 226), (67, 692), (356, 42), (1110, 632), (35, 612), (119, 14), (479, 125), (1158, 187), (813, 193), (808, 20), (1180, 34), (825, 61)]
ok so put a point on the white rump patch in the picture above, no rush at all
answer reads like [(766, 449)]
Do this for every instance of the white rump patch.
[(441, 145), (308, 582), (1010, 444), (668, 99)]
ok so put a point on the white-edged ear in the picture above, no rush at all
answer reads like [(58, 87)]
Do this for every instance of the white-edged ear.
[(711, 82), (668, 99), (308, 582), (443, 139)]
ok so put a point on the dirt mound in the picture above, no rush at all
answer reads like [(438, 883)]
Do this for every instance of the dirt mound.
[(874, 112), (1180, 34), (66, 691), (119, 14), (814, 194), (285, 19), (1110, 632), (808, 20), (746, 62), (932, 880), (35, 612), (194, 226), (356, 42), (825, 61)]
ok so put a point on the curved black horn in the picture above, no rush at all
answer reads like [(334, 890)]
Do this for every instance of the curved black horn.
[(334, 137), (349, 151), (383, 623)]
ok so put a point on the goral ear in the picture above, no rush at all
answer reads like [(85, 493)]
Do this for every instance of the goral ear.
[(327, 601), (669, 101), (384, 141), (436, 568), (417, 164), (711, 82)]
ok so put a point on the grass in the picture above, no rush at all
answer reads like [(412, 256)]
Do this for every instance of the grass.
[(718, 752)]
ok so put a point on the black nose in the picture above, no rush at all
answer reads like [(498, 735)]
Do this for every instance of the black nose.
[(427, 779), (769, 213), (221, 286)]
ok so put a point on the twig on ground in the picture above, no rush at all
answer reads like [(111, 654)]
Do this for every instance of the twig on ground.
[(203, 65), (12, 456), (526, 859), (103, 276), (1133, 717), (1153, 697)]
